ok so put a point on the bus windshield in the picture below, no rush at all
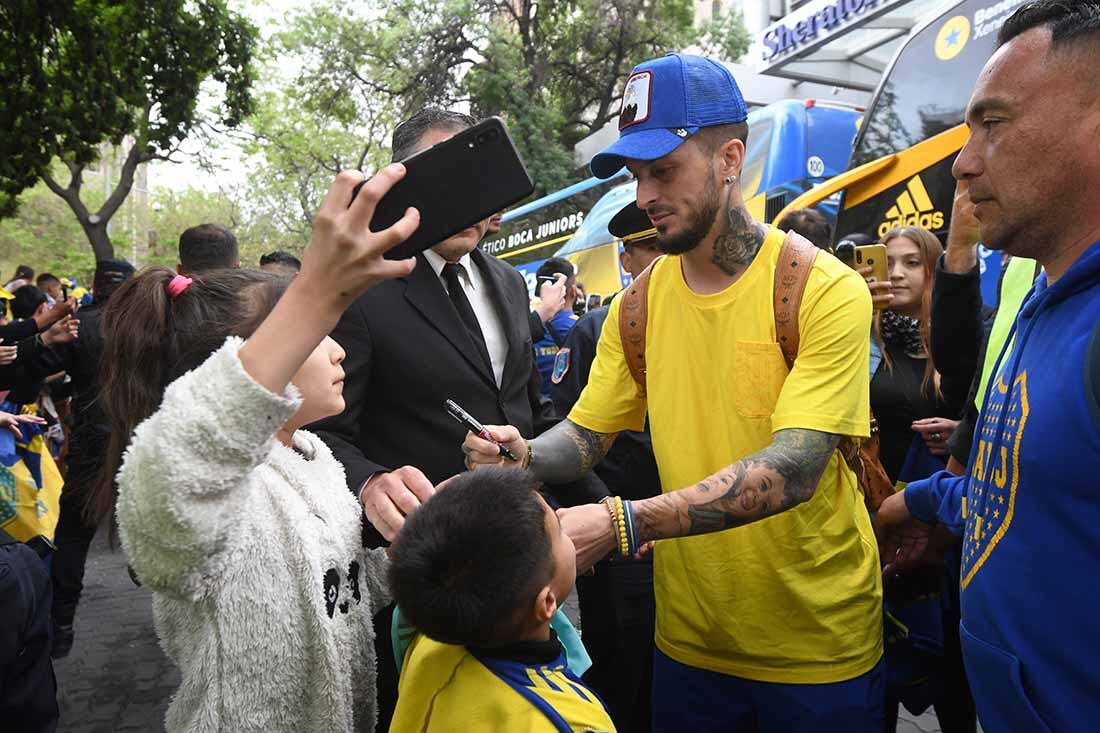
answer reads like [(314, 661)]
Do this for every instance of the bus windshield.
[(927, 89)]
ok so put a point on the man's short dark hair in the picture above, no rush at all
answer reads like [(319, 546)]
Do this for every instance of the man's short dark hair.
[(46, 279), (208, 247), (713, 137), (472, 558), (811, 224), (407, 135), (281, 258), (1070, 22), (556, 266), (26, 301)]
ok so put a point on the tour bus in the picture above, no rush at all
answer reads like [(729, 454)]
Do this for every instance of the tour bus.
[(792, 146), (900, 172)]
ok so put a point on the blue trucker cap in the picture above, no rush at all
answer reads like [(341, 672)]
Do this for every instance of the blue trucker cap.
[(665, 102)]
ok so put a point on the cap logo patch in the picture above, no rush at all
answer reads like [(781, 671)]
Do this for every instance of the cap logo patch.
[(635, 108)]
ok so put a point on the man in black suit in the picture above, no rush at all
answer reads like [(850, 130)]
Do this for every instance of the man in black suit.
[(456, 328)]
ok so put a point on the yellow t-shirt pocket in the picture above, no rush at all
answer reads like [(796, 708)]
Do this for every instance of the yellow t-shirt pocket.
[(759, 371)]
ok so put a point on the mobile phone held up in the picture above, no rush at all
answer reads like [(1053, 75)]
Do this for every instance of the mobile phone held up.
[(454, 184), (867, 255)]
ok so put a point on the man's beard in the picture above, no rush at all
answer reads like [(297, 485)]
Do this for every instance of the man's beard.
[(699, 226)]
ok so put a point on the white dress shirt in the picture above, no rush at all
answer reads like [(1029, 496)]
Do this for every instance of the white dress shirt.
[(478, 293)]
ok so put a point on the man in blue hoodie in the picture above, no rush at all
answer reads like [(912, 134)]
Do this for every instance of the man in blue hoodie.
[(1028, 508)]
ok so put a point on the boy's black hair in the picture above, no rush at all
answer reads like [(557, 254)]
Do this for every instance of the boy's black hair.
[(811, 224), (208, 247), (45, 278), (552, 268), (279, 257), (26, 301), (471, 559)]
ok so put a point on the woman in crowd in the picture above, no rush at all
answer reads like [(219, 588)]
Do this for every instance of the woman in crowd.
[(237, 520), (907, 397), (915, 420)]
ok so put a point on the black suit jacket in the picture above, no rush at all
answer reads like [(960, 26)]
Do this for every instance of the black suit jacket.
[(407, 352)]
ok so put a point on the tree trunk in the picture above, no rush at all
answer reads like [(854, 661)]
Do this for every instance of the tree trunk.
[(101, 242)]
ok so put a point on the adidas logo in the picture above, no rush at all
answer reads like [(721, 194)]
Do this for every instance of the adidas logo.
[(913, 208)]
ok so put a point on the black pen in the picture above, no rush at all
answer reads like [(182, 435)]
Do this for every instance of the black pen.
[(476, 428)]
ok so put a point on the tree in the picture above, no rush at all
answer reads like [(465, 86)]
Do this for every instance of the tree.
[(554, 69), (78, 73)]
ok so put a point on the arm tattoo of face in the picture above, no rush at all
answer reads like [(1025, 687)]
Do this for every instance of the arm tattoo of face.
[(567, 451), (780, 477), (740, 240)]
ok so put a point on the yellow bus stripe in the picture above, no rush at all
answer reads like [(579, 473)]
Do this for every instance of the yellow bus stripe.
[(547, 243), (907, 164)]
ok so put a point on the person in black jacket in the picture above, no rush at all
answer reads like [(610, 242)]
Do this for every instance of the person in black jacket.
[(617, 606), (28, 689), (456, 328), (87, 447)]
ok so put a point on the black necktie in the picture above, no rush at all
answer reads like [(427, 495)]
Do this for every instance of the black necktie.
[(452, 275)]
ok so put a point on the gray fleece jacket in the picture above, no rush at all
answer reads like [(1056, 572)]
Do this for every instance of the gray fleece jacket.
[(262, 588)]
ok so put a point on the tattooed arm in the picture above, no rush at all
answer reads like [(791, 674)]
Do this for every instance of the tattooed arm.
[(780, 477), (567, 451), (563, 453)]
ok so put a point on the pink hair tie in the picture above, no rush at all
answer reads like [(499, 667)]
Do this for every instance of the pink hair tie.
[(177, 285)]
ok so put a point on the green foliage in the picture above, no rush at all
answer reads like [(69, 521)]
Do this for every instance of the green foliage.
[(553, 69), (46, 236), (724, 36), (77, 73)]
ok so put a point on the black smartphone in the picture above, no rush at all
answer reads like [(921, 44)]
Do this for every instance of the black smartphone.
[(455, 184), (593, 301), (543, 279)]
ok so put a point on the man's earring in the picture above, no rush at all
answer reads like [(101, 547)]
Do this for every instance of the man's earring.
[(730, 180)]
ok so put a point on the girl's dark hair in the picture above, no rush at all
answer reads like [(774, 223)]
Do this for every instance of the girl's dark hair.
[(150, 339), (26, 301)]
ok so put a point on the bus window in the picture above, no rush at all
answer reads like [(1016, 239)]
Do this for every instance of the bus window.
[(928, 88), (756, 153)]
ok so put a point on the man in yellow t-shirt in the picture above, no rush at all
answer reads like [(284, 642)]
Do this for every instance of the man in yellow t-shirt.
[(774, 624)]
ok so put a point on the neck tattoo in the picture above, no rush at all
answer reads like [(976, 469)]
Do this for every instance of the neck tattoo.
[(737, 245)]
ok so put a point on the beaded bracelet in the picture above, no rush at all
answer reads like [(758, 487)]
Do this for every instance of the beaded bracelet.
[(631, 529), (624, 536), (609, 503)]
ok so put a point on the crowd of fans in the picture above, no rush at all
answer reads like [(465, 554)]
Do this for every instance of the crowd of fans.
[(703, 456)]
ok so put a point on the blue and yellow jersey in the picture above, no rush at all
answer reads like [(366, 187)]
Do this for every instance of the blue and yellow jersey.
[(444, 687)]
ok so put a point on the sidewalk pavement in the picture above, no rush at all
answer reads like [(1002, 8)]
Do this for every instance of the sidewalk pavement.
[(117, 679)]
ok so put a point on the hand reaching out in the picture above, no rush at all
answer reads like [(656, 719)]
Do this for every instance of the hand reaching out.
[(552, 298), (936, 431), (64, 331), (12, 422)]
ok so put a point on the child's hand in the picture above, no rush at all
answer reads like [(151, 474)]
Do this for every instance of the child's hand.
[(344, 258), (12, 422)]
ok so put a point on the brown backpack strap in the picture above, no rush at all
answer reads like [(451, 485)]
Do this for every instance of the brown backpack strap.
[(796, 260), (633, 314)]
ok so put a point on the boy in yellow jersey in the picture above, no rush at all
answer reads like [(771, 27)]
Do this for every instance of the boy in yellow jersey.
[(767, 582), (480, 570)]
